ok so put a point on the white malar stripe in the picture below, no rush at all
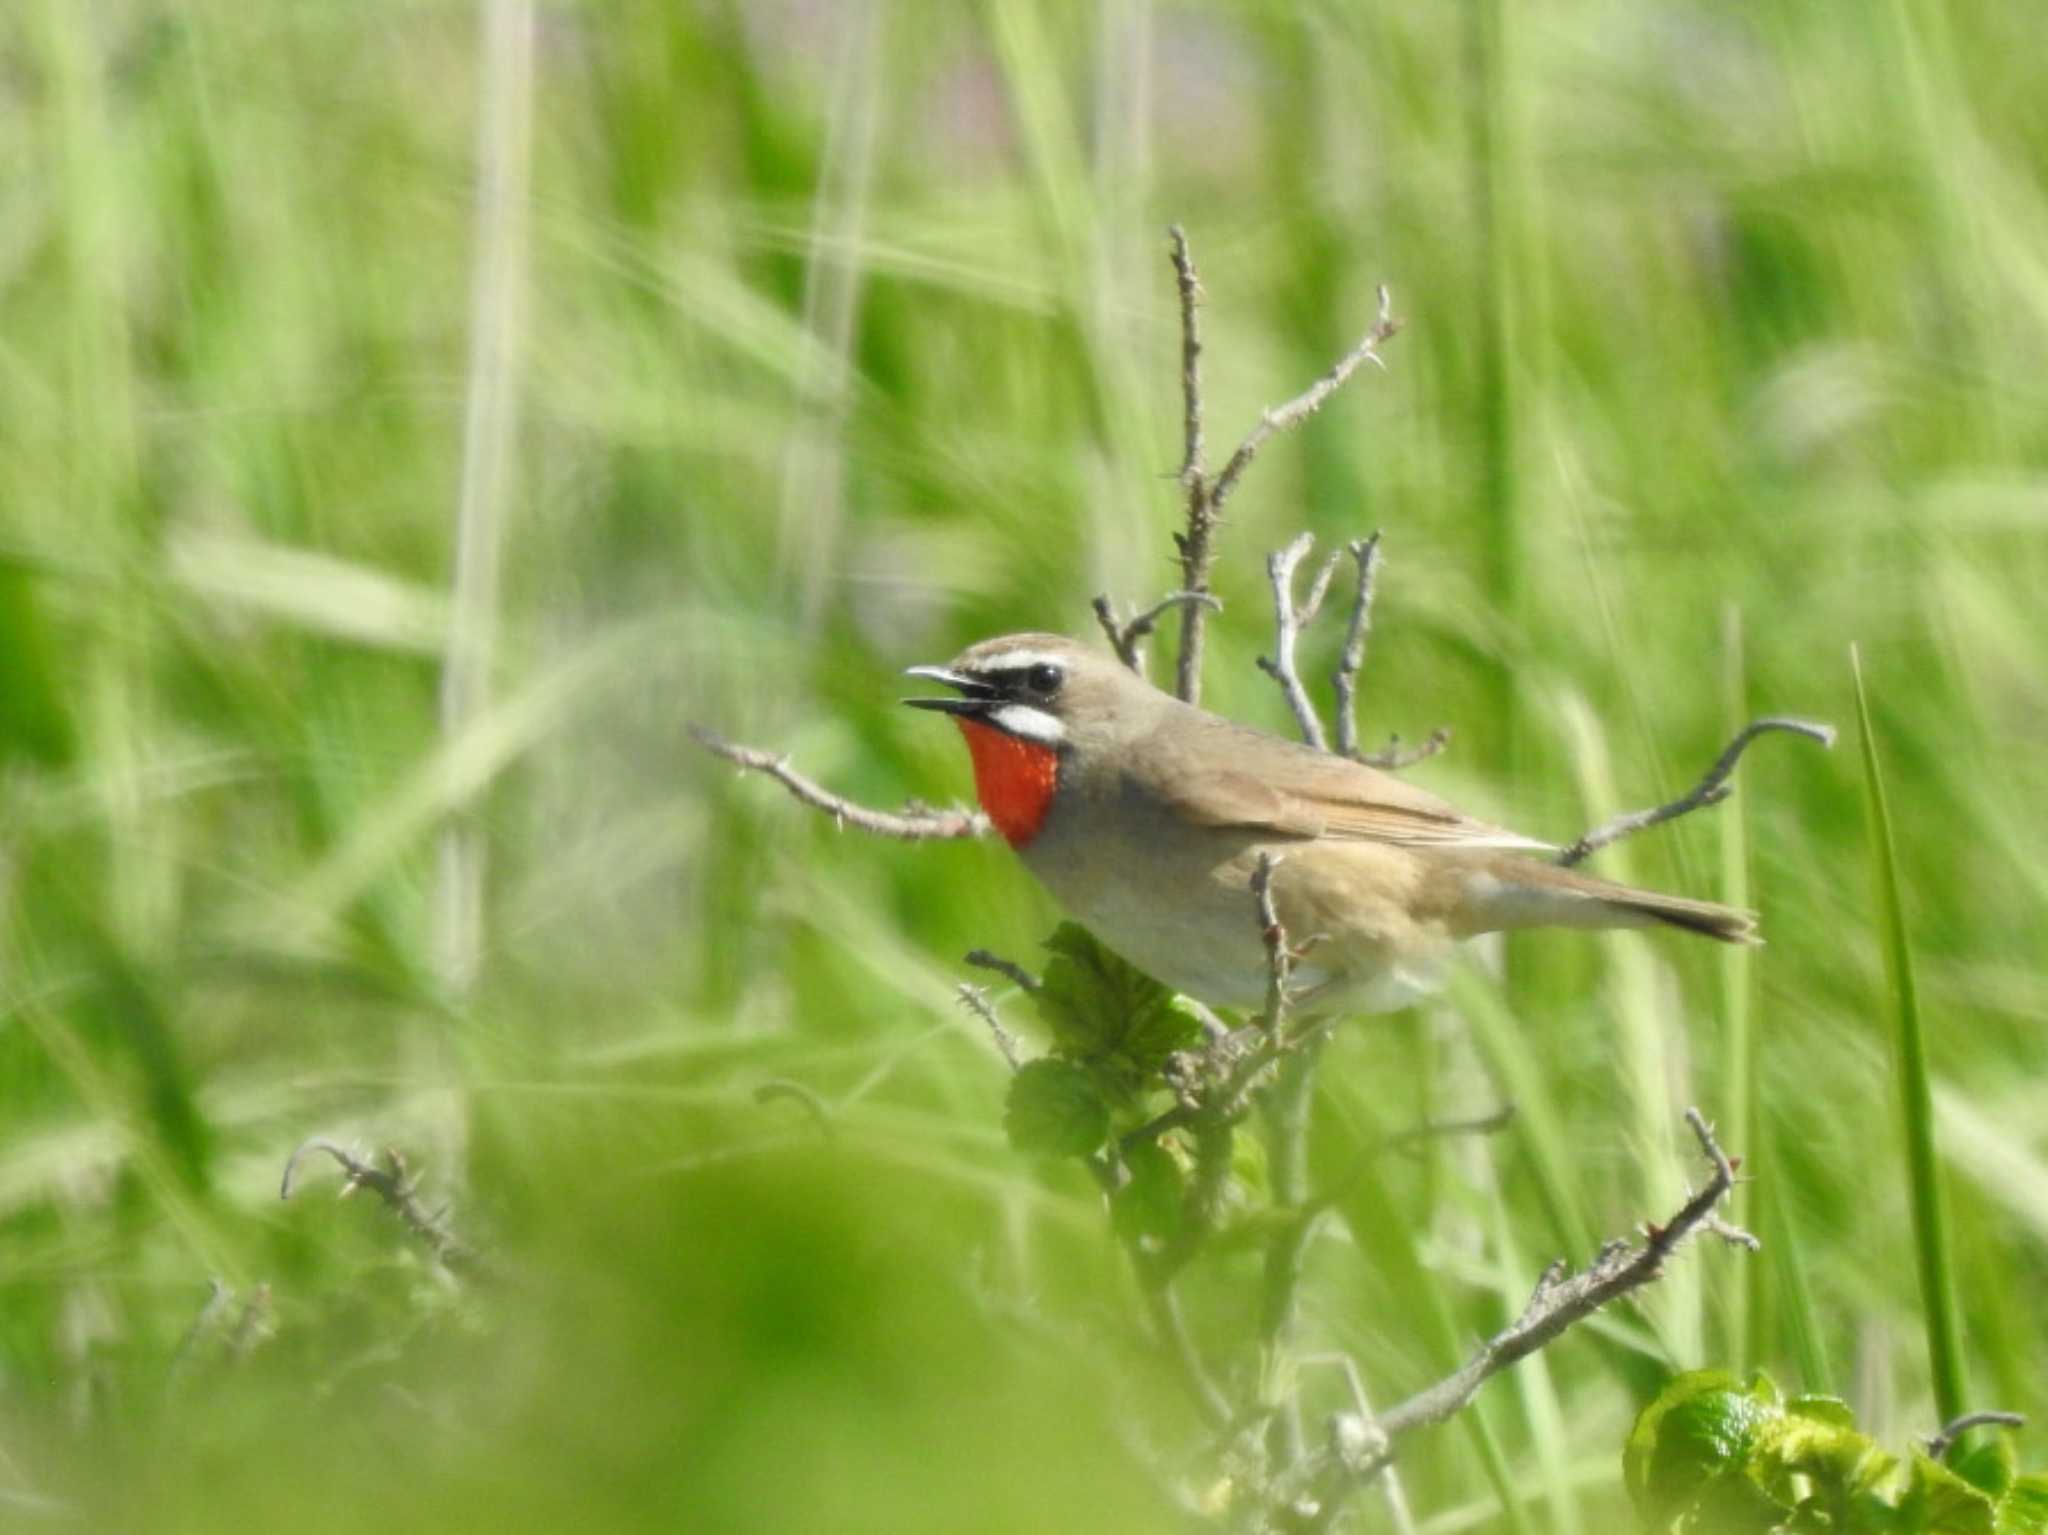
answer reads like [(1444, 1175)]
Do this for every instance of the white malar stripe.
[(1029, 723)]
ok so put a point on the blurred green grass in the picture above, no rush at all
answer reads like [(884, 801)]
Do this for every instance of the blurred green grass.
[(847, 337)]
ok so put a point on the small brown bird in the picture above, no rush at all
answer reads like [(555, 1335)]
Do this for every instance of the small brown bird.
[(1146, 817)]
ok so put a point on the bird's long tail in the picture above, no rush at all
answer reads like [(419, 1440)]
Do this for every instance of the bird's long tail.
[(1520, 892)]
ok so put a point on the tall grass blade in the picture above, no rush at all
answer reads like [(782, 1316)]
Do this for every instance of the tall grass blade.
[(1738, 1015), (1916, 1099)]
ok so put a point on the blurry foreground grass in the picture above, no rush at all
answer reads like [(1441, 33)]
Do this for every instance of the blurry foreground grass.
[(836, 336)]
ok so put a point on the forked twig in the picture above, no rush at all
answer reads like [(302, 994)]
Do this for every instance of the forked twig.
[(1127, 636), (1288, 622), (1710, 790), (917, 823), (1206, 496)]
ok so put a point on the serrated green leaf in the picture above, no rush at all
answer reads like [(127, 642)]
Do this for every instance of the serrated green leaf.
[(1825, 1459), (1147, 1209), (2024, 1508), (1823, 1409), (1989, 1464), (1100, 1008), (1701, 1428), (1054, 1110), (1938, 1502)]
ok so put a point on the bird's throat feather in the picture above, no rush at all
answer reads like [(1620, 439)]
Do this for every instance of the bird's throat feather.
[(1013, 778)]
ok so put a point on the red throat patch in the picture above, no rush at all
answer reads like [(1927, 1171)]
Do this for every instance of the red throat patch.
[(1013, 779)]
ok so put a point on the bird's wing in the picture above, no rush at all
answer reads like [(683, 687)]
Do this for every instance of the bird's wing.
[(1294, 791)]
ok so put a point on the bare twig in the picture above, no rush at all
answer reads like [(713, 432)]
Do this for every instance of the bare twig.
[(255, 1326), (975, 1000), (1288, 622), (1286, 417), (1939, 1444), (1127, 637), (1394, 756), (1710, 790), (1207, 496), (1444, 1129), (1279, 957), (982, 959), (392, 1184), (917, 823), (1196, 544), (805, 1098), (1559, 1301), (1366, 552)]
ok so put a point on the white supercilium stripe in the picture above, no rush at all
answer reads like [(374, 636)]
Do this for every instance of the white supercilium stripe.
[(1019, 661)]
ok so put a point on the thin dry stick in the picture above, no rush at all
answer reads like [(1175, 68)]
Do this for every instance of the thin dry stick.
[(1127, 637), (975, 1000), (1394, 756), (1939, 1444), (1206, 497), (1286, 417), (982, 959), (1288, 622), (1710, 790), (1560, 1301), (1279, 957), (917, 823), (392, 1184), (1366, 552)]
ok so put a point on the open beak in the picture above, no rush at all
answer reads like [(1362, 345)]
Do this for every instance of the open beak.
[(977, 695)]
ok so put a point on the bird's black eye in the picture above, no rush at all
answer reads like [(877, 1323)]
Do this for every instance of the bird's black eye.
[(1044, 678)]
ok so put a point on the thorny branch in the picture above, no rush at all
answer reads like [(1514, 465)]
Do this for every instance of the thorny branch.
[(1206, 496), (395, 1186), (1360, 1451), (916, 823), (975, 1000), (1710, 790)]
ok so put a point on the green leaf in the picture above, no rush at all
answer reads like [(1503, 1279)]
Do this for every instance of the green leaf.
[(1822, 1458), (2024, 1508), (1824, 1409), (1147, 1209), (1938, 1502), (1701, 1429), (1054, 1110), (1989, 1463), (1100, 1008)]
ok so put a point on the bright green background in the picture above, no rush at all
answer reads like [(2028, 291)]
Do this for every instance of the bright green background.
[(848, 338)]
